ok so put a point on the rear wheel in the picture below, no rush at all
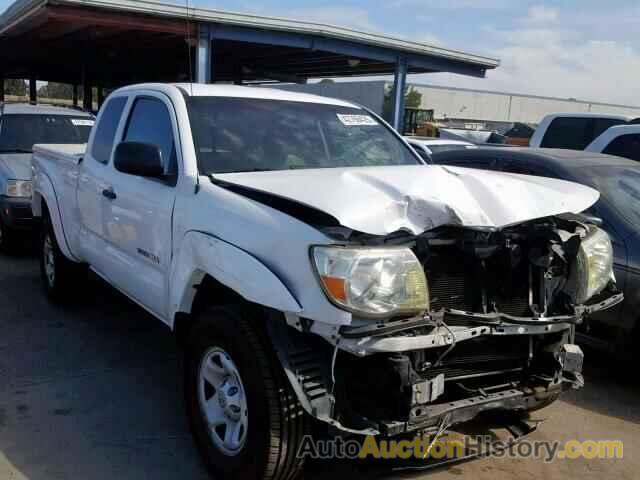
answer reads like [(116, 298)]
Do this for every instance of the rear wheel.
[(245, 418), (60, 276)]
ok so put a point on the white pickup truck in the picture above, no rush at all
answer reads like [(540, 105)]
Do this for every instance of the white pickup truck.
[(617, 135), (621, 141), (314, 268)]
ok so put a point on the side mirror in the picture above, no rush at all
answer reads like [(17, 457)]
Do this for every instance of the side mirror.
[(141, 159)]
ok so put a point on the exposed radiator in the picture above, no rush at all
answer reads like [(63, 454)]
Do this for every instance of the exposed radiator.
[(482, 357)]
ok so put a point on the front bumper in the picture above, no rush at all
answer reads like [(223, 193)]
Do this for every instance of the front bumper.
[(404, 378), (376, 338), (16, 213)]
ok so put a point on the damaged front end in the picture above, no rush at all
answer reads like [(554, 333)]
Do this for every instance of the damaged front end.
[(453, 322)]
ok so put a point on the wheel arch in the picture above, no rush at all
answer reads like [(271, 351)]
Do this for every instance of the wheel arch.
[(209, 271), (206, 291), (45, 203)]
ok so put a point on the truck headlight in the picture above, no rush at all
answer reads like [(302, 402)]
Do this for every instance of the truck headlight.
[(594, 264), (19, 188), (372, 282)]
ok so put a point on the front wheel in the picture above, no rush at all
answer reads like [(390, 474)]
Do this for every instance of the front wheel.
[(245, 418), (61, 277)]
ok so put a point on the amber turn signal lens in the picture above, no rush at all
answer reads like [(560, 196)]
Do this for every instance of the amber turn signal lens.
[(336, 287)]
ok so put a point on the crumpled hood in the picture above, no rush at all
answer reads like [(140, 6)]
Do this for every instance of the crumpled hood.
[(16, 166), (382, 200)]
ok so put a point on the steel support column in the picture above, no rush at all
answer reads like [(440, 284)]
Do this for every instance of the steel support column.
[(33, 90), (1, 89), (203, 55), (87, 96), (399, 87), (100, 96), (75, 95)]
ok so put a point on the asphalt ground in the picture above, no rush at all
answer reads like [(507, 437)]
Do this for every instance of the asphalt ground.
[(92, 391)]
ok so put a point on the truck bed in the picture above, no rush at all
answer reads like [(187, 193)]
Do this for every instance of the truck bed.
[(73, 152), (55, 178)]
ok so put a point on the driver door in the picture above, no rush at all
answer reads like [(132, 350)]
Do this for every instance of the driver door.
[(139, 210)]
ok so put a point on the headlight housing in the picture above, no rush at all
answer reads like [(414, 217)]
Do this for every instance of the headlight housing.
[(594, 264), (19, 188), (372, 282)]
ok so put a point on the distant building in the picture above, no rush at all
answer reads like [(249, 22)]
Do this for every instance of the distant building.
[(466, 108)]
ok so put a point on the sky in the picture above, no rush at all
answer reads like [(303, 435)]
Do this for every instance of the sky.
[(584, 49)]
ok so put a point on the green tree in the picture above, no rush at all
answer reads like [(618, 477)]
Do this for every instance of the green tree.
[(412, 99), (58, 91), (17, 87)]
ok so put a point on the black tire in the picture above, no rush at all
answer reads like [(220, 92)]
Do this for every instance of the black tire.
[(6, 238), (61, 278), (276, 420)]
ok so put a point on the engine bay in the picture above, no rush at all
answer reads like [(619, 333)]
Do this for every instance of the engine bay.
[(498, 333)]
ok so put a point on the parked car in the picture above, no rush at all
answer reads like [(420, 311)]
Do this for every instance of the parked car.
[(21, 126), (622, 141), (313, 267), (427, 146), (573, 130), (618, 181)]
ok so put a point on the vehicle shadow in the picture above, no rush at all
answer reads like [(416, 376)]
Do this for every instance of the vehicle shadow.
[(90, 390)]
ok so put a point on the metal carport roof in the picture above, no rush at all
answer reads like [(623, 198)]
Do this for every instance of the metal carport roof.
[(115, 42)]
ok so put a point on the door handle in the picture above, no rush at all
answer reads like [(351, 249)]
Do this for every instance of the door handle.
[(109, 193)]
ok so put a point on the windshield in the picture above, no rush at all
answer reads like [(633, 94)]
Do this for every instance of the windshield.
[(240, 135), (18, 133), (619, 187)]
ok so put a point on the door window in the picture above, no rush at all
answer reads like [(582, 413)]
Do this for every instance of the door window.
[(627, 146), (150, 122), (106, 129)]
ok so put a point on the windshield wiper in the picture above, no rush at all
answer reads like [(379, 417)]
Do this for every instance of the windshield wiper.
[(16, 150)]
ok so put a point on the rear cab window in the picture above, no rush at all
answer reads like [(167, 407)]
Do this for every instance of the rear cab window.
[(575, 133)]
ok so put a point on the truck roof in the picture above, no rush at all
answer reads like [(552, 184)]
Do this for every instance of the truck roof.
[(236, 91), (30, 109), (615, 116)]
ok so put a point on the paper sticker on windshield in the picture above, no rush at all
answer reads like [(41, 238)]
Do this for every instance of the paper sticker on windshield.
[(78, 122), (356, 120)]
